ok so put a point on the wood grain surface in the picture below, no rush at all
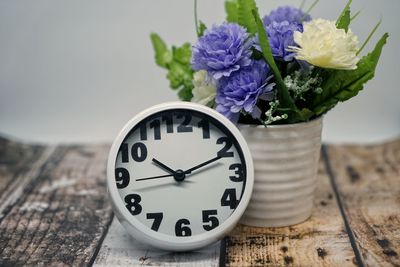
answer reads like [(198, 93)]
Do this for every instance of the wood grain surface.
[(19, 163), (321, 240), (54, 211), (120, 249), (368, 179), (62, 212)]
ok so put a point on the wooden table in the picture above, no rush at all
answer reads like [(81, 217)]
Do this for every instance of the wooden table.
[(54, 211)]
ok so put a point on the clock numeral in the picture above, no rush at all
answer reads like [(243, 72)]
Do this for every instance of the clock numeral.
[(122, 177), (132, 203), (183, 127), (124, 152), (205, 126), (143, 132), (182, 228), (208, 218), (157, 131), (238, 177), (169, 122), (229, 198), (157, 217), (224, 153), (139, 152)]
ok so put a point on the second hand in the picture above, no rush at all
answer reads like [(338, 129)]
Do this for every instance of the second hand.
[(155, 177)]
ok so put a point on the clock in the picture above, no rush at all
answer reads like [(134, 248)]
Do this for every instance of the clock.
[(179, 176)]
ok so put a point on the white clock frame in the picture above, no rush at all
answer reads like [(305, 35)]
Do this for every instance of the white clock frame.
[(160, 240)]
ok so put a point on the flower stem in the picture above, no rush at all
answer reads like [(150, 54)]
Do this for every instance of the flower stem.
[(309, 9), (303, 2), (196, 22), (369, 37), (355, 15)]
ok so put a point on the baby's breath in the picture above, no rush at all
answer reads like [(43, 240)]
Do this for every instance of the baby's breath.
[(300, 82), (273, 105)]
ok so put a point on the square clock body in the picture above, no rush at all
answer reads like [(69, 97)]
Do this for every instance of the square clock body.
[(180, 176)]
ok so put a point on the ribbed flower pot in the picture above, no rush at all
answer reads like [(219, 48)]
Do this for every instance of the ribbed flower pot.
[(285, 162)]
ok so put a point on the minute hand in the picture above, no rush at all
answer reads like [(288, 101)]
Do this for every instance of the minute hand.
[(202, 164)]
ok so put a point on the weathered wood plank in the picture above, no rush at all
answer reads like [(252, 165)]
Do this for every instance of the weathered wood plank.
[(19, 163), (62, 214), (120, 249), (368, 179), (320, 241), (56, 212), (13, 158)]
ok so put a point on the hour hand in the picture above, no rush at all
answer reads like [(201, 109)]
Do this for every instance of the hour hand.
[(165, 167)]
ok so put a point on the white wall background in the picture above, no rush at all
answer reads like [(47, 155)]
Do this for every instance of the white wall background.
[(76, 71)]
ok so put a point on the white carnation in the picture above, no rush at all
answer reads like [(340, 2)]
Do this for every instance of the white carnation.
[(204, 90), (322, 44)]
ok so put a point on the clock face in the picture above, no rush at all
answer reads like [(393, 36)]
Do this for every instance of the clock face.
[(180, 173)]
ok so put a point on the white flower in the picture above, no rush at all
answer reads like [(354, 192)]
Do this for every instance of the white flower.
[(204, 90), (323, 45)]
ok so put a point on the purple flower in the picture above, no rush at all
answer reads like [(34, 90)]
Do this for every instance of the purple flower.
[(280, 35), (280, 25), (288, 13), (242, 89), (222, 50)]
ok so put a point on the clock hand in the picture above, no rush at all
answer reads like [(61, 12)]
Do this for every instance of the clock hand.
[(155, 177), (178, 175), (165, 167), (202, 164)]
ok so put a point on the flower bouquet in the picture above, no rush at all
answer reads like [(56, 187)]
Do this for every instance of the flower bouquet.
[(282, 71)]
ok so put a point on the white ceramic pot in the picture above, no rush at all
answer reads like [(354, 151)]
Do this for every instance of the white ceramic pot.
[(285, 163)]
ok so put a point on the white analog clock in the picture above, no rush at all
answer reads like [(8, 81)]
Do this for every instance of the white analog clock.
[(180, 176)]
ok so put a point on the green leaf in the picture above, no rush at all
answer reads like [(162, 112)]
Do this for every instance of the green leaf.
[(266, 49), (231, 9), (180, 71), (182, 54), (344, 19), (163, 55), (180, 78), (341, 85), (306, 114), (186, 93), (284, 97), (177, 62), (202, 28), (245, 16), (176, 75)]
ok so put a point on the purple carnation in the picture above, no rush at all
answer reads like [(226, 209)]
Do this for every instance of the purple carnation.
[(222, 50), (288, 13), (242, 89), (280, 25), (280, 35)]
